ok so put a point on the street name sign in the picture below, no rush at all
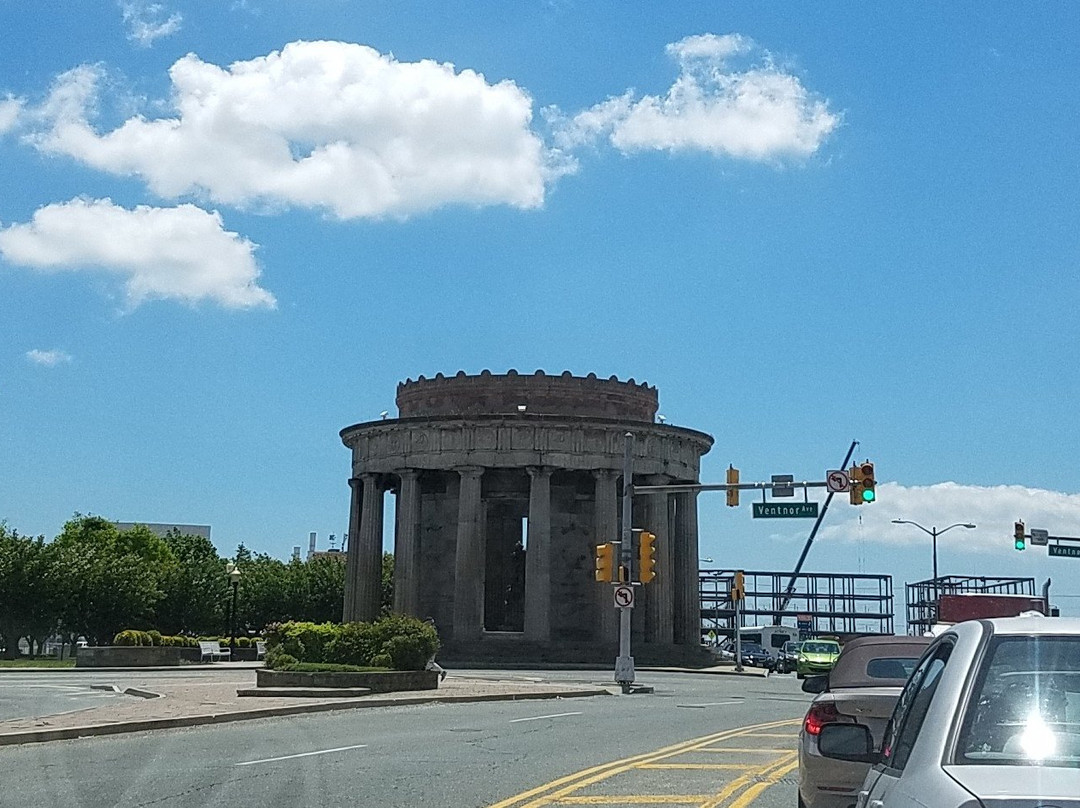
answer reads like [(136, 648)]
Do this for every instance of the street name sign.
[(1040, 537), (1067, 550), (786, 510)]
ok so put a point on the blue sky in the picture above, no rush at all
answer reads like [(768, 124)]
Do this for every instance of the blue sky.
[(228, 230)]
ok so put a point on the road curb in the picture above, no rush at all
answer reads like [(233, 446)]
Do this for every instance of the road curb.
[(70, 733)]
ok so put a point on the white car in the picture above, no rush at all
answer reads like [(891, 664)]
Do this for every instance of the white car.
[(990, 718)]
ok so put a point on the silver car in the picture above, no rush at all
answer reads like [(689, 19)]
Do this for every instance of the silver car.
[(990, 717), (862, 687)]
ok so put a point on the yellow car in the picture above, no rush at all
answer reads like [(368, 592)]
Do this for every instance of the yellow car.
[(816, 657)]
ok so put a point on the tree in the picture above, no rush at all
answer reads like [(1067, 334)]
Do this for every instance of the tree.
[(29, 596), (262, 596), (387, 600), (111, 579), (193, 589)]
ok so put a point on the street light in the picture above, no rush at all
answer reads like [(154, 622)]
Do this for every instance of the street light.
[(234, 578), (933, 533)]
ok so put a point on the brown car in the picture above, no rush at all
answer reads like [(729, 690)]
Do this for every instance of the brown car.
[(861, 688)]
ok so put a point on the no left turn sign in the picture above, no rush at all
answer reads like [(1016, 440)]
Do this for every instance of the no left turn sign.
[(624, 597), (836, 480)]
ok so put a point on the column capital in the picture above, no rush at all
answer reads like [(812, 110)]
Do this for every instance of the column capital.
[(469, 471), (355, 482), (605, 474), (539, 471), (410, 474)]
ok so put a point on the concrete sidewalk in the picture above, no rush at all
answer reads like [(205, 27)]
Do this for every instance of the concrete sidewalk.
[(184, 702)]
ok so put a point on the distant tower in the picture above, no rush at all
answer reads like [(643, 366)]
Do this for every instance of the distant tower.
[(311, 546), (296, 552)]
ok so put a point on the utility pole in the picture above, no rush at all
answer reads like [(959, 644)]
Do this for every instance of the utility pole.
[(624, 663)]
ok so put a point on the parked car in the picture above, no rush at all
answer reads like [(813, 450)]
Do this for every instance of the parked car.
[(816, 656), (990, 716), (862, 687), (755, 656), (788, 656)]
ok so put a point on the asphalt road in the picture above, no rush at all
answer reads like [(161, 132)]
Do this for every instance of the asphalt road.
[(447, 755), (25, 695)]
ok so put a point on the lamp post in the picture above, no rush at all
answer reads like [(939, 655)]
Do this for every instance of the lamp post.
[(234, 578), (933, 533)]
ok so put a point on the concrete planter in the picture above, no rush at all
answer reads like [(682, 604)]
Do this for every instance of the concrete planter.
[(377, 682), (127, 656)]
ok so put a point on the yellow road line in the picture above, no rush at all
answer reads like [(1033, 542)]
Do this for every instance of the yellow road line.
[(745, 749), (776, 735), (737, 766), (753, 791), (748, 778), (564, 786), (640, 799)]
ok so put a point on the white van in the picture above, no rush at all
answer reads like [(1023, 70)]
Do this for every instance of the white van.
[(771, 638)]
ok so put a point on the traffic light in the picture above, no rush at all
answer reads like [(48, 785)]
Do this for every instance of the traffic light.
[(1018, 532), (605, 562), (738, 587), (732, 493), (856, 489), (868, 482), (647, 557)]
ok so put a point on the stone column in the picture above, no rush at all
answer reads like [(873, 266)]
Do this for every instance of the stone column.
[(469, 558), (688, 597), (369, 551), (605, 529), (352, 558), (407, 545), (659, 593), (538, 557)]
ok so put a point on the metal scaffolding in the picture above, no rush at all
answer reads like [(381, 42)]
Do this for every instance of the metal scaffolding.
[(922, 596), (833, 603)]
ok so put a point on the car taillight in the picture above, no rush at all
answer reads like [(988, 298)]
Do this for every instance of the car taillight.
[(818, 716)]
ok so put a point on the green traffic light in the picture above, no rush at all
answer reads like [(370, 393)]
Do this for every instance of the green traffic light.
[(1019, 544), (868, 495)]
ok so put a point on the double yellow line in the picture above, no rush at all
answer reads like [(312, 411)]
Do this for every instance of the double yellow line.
[(751, 783)]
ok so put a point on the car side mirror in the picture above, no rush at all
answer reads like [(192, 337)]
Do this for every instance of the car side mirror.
[(851, 742), (815, 684)]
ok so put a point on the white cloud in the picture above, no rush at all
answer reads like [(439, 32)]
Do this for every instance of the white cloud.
[(148, 21), (993, 509), (48, 358), (182, 253), (328, 125), (759, 113), (9, 113)]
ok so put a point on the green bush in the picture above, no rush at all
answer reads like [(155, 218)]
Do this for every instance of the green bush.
[(353, 644), (327, 667), (127, 637), (243, 642), (155, 637), (408, 642), (276, 659), (395, 641)]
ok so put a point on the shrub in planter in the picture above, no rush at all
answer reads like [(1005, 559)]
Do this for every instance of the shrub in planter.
[(353, 644), (127, 637), (243, 642), (408, 642), (155, 637), (276, 659)]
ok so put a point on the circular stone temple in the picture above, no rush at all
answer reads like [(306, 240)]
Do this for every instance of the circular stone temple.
[(503, 486)]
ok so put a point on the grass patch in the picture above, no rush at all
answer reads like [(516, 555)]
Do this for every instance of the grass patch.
[(327, 667), (44, 662)]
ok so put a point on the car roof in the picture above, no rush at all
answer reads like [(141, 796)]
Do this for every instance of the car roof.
[(1035, 625), (853, 663)]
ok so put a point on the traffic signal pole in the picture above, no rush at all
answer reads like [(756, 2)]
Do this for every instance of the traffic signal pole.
[(624, 663)]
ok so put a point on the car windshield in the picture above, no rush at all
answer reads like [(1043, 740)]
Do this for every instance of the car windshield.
[(820, 648), (1025, 706)]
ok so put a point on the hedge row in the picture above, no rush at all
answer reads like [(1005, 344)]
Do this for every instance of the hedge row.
[(135, 637), (396, 641)]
